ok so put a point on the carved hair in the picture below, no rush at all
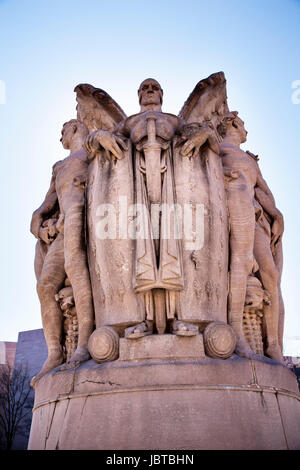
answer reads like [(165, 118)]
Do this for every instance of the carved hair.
[(227, 121), (77, 126), (160, 89)]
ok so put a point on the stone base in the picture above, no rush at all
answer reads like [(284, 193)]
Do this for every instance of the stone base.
[(179, 403), (162, 347)]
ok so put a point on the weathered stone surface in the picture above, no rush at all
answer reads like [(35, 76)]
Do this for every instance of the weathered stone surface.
[(291, 426), (275, 375), (253, 243), (58, 224), (162, 347), (164, 283), (160, 405), (160, 231), (54, 384)]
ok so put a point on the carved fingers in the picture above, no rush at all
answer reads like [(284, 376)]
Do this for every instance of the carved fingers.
[(113, 145), (90, 145), (44, 235), (121, 143), (191, 147)]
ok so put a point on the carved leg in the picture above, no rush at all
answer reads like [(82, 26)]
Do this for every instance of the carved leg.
[(77, 271), (269, 276), (242, 227), (278, 259), (50, 281)]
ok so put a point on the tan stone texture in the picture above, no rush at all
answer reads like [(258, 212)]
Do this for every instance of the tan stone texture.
[(170, 404), (162, 347), (159, 254)]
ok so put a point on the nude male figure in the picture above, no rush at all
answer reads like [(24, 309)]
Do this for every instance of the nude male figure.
[(66, 255), (244, 178)]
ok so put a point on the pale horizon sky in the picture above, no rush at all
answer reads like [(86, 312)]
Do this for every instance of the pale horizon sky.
[(48, 47)]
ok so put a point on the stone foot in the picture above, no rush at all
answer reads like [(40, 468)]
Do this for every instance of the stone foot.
[(80, 355), (274, 352), (243, 349), (184, 329), (137, 331), (54, 360)]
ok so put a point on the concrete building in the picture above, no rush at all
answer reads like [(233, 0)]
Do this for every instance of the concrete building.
[(7, 353), (31, 351)]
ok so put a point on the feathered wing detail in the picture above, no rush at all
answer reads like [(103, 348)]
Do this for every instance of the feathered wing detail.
[(207, 102), (96, 109)]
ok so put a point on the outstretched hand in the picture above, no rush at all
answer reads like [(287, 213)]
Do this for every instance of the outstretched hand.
[(112, 145), (191, 147)]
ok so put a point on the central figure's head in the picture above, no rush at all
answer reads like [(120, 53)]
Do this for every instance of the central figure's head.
[(150, 93)]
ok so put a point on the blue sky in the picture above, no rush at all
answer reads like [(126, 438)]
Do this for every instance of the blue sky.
[(48, 47)]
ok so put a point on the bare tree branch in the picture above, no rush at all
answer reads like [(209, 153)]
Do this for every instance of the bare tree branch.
[(15, 402)]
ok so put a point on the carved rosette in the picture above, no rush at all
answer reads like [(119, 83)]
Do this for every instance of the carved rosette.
[(103, 344), (219, 340)]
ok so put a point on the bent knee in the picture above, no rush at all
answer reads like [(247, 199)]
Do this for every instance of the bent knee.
[(269, 274), (46, 288), (76, 265), (242, 263)]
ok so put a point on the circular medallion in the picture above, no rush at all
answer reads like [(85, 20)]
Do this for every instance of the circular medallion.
[(219, 340), (103, 344)]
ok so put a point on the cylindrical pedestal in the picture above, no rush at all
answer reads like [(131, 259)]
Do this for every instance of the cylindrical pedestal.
[(184, 403)]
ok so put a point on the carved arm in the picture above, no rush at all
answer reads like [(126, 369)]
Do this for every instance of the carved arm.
[(45, 208), (266, 199)]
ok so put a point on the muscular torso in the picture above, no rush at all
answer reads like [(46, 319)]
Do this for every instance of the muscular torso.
[(70, 175), (236, 159), (135, 127)]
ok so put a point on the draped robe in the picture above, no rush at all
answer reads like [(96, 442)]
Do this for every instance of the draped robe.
[(124, 270)]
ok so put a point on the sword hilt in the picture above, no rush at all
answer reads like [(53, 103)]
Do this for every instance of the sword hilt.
[(151, 129)]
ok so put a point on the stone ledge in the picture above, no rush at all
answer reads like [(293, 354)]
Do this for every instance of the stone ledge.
[(162, 347)]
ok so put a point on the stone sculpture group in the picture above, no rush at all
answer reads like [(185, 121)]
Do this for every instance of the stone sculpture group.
[(158, 224)]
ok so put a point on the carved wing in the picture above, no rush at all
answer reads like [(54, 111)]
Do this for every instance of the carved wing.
[(96, 109), (207, 102)]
